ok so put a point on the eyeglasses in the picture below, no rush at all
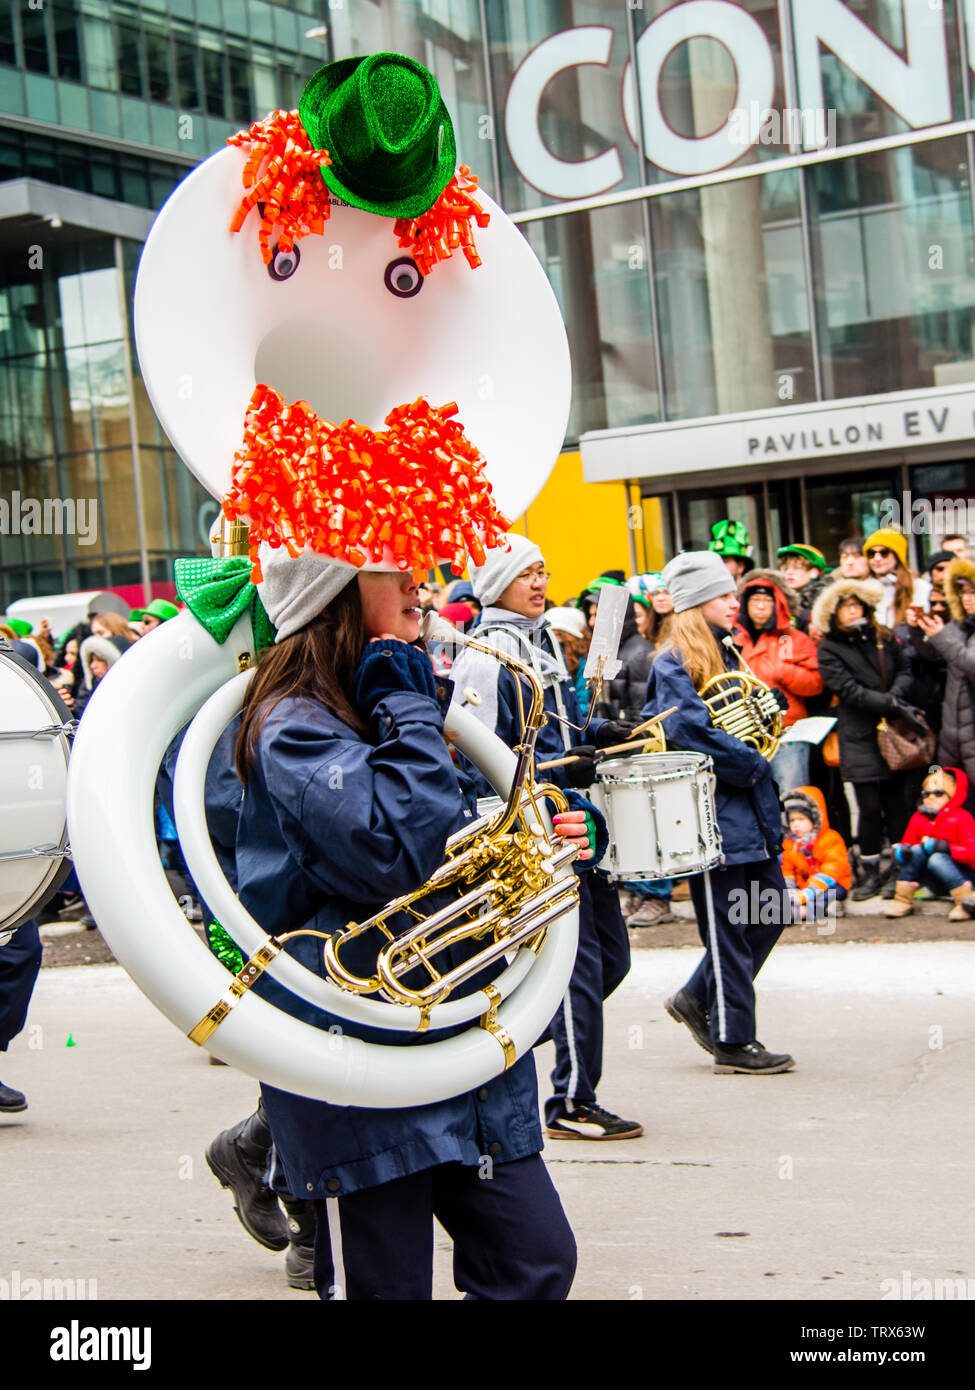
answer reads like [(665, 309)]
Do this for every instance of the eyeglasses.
[(534, 577), (881, 550)]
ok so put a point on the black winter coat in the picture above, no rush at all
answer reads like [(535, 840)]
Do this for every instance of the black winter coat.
[(628, 689), (850, 666)]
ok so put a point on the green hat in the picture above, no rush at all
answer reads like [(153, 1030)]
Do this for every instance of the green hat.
[(386, 129), (19, 627), (730, 538), (809, 553), (159, 608)]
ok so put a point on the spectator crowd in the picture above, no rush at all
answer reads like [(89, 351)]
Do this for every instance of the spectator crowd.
[(861, 653)]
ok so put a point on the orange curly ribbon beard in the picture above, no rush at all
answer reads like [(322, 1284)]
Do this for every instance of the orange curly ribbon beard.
[(416, 488)]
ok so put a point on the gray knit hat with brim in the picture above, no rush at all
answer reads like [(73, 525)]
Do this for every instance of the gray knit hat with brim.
[(695, 577), (296, 589)]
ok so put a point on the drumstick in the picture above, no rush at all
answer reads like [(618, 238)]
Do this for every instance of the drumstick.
[(648, 723), (627, 747)]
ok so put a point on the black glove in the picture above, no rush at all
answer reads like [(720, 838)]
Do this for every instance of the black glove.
[(781, 697), (910, 715), (583, 772), (614, 731)]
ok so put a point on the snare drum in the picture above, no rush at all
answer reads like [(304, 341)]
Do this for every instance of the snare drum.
[(660, 811), (33, 780)]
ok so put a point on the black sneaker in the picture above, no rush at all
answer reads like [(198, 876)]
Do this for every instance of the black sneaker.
[(592, 1122), (11, 1102), (685, 1007), (254, 1202), (751, 1059)]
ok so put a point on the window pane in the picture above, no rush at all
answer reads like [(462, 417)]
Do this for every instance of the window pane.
[(42, 98), (67, 40), (33, 25), (129, 49), (573, 141), (731, 295), (158, 62), (597, 263), (8, 51), (843, 506), (242, 98), (213, 88), (99, 53), (105, 116), (893, 245), (187, 81)]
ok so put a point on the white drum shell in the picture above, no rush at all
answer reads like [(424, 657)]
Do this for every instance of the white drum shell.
[(33, 780), (661, 815)]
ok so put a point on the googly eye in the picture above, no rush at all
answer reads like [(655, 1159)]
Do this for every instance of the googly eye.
[(283, 264), (402, 278)]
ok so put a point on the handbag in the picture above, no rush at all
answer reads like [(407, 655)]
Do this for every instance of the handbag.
[(902, 746)]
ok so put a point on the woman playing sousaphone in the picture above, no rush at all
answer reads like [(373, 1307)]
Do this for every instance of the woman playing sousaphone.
[(718, 1002)]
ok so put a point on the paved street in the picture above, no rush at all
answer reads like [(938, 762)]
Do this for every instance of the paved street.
[(819, 1184)]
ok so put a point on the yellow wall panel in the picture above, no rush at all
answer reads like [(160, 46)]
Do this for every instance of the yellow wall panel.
[(581, 527)]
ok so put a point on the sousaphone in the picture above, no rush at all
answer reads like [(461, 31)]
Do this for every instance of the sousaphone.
[(349, 325)]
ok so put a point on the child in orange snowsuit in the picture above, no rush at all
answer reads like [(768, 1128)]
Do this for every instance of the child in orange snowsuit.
[(815, 863)]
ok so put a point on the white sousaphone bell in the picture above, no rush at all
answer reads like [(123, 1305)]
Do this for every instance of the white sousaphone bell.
[(354, 338)]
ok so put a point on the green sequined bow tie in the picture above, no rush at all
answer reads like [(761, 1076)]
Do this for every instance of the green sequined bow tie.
[(218, 592)]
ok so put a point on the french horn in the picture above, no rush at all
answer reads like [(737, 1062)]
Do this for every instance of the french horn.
[(742, 705), (211, 324)]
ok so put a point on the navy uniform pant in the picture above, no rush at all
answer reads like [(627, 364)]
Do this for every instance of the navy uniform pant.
[(602, 963), (740, 911), (20, 960), (511, 1237)]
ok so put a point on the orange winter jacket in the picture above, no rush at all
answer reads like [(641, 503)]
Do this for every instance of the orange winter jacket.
[(824, 864), (785, 658)]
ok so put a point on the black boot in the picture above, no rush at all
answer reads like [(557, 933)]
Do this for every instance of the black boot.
[(237, 1158), (299, 1262), (870, 880)]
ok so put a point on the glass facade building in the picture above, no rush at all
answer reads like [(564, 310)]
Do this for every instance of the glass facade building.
[(757, 217)]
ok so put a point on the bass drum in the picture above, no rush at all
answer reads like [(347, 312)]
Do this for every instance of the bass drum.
[(34, 731)]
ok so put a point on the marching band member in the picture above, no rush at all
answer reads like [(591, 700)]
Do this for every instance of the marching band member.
[(718, 1002), (511, 586), (350, 796)]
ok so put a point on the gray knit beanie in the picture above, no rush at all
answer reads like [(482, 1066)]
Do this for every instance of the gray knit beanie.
[(490, 580), (295, 590), (696, 576)]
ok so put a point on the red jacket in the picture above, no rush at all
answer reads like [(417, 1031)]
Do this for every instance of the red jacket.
[(825, 863), (785, 658), (952, 824)]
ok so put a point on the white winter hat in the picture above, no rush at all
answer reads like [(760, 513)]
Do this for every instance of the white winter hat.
[(490, 580), (569, 620)]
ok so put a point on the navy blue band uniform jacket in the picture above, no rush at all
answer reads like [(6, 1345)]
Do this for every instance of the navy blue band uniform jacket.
[(332, 826), (746, 800), (490, 692)]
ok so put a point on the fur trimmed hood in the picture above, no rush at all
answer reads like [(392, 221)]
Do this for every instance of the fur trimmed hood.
[(958, 569), (97, 646), (777, 579), (868, 591)]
